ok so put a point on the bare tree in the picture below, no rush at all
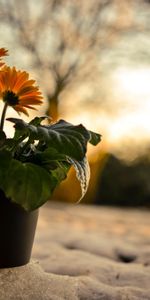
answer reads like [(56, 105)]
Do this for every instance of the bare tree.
[(66, 38)]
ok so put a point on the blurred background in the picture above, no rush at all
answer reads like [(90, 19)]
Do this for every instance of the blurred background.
[(91, 60)]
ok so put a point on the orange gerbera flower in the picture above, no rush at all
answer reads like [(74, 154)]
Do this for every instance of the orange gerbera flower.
[(17, 90), (3, 52)]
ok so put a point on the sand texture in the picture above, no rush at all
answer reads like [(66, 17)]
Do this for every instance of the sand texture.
[(87, 253)]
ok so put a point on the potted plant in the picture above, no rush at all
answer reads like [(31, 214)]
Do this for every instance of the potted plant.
[(32, 163)]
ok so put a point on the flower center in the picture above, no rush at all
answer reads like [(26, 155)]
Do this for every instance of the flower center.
[(11, 98)]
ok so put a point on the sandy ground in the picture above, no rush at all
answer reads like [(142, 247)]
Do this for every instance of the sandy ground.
[(94, 252)]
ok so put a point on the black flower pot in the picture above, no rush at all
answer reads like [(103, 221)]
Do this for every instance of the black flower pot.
[(17, 230)]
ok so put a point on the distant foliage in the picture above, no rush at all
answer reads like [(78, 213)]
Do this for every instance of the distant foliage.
[(124, 184)]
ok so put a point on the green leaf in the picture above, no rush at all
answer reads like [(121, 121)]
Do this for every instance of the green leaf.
[(29, 185), (37, 120), (26, 184), (66, 138), (95, 138)]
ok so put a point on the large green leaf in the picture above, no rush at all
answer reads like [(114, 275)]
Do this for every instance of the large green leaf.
[(66, 138), (26, 184)]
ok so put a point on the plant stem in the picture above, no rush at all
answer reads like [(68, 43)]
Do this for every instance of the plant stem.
[(3, 116)]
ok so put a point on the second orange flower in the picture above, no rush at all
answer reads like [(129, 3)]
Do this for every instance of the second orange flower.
[(3, 52)]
